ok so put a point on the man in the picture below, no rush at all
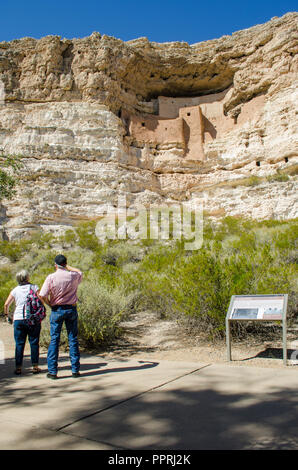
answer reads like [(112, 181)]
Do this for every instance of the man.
[(59, 291)]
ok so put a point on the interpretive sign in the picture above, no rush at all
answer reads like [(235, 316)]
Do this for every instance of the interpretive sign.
[(258, 308)]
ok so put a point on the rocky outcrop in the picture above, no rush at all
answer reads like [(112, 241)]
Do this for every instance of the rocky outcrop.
[(97, 117)]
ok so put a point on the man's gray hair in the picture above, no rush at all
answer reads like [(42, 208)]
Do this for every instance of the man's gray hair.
[(22, 277)]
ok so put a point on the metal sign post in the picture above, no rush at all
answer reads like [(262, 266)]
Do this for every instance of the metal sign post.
[(258, 308)]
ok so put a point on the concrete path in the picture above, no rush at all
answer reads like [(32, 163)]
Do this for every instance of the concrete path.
[(139, 404)]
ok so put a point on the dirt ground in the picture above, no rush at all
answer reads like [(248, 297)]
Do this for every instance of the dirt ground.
[(146, 335)]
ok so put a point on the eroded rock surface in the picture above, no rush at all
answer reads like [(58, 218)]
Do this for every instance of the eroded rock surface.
[(95, 118)]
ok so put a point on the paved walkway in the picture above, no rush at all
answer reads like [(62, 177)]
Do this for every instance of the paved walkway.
[(139, 404)]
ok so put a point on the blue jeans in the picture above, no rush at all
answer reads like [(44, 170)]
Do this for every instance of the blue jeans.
[(68, 315), (21, 331)]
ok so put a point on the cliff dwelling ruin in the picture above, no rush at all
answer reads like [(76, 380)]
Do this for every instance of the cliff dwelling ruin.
[(94, 118), (187, 123)]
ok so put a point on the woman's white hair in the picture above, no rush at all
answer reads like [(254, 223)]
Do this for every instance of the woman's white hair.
[(22, 277)]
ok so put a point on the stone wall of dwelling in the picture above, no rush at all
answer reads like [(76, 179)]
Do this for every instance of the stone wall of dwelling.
[(193, 127), (151, 129), (169, 107), (189, 123), (215, 122), (185, 131), (252, 110)]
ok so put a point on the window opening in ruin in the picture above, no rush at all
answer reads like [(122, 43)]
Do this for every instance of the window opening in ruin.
[(143, 124), (286, 159), (258, 163), (188, 114)]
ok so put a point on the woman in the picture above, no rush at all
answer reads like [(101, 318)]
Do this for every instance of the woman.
[(21, 329)]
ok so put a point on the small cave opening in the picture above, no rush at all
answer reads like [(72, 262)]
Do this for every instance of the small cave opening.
[(258, 163), (286, 159)]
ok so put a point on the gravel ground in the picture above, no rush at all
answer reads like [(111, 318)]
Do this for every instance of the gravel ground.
[(147, 336)]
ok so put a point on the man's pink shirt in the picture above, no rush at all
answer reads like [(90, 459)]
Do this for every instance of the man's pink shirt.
[(61, 287)]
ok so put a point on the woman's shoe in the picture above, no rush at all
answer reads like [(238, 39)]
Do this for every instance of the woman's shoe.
[(18, 371), (36, 370)]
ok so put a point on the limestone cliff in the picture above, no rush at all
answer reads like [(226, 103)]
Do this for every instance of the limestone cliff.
[(96, 117)]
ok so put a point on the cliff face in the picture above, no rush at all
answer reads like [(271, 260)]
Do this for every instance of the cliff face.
[(95, 118)]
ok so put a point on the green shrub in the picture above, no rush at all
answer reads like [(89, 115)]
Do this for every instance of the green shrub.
[(239, 256), (70, 236), (252, 181), (238, 260), (279, 177), (85, 235), (11, 250), (10, 166), (100, 310), (121, 253), (7, 283)]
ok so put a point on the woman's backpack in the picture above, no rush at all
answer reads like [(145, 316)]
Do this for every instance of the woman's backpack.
[(33, 311)]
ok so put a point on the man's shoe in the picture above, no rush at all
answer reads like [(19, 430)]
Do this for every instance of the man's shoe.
[(76, 374), (51, 376)]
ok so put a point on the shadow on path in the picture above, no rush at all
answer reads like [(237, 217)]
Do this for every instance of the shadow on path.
[(270, 353), (86, 370), (196, 415)]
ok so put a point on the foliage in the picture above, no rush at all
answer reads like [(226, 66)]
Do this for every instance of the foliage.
[(9, 167), (101, 308), (278, 176), (253, 181), (238, 256)]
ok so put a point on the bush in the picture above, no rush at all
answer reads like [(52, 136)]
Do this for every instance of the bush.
[(11, 250), (7, 283), (239, 256), (85, 236), (100, 310), (120, 253), (279, 177), (238, 260), (253, 181)]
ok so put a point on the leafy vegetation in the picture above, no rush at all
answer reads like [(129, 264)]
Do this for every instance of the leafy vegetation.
[(9, 167), (281, 177), (122, 276)]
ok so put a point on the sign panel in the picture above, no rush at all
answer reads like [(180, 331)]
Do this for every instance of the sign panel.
[(257, 307)]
